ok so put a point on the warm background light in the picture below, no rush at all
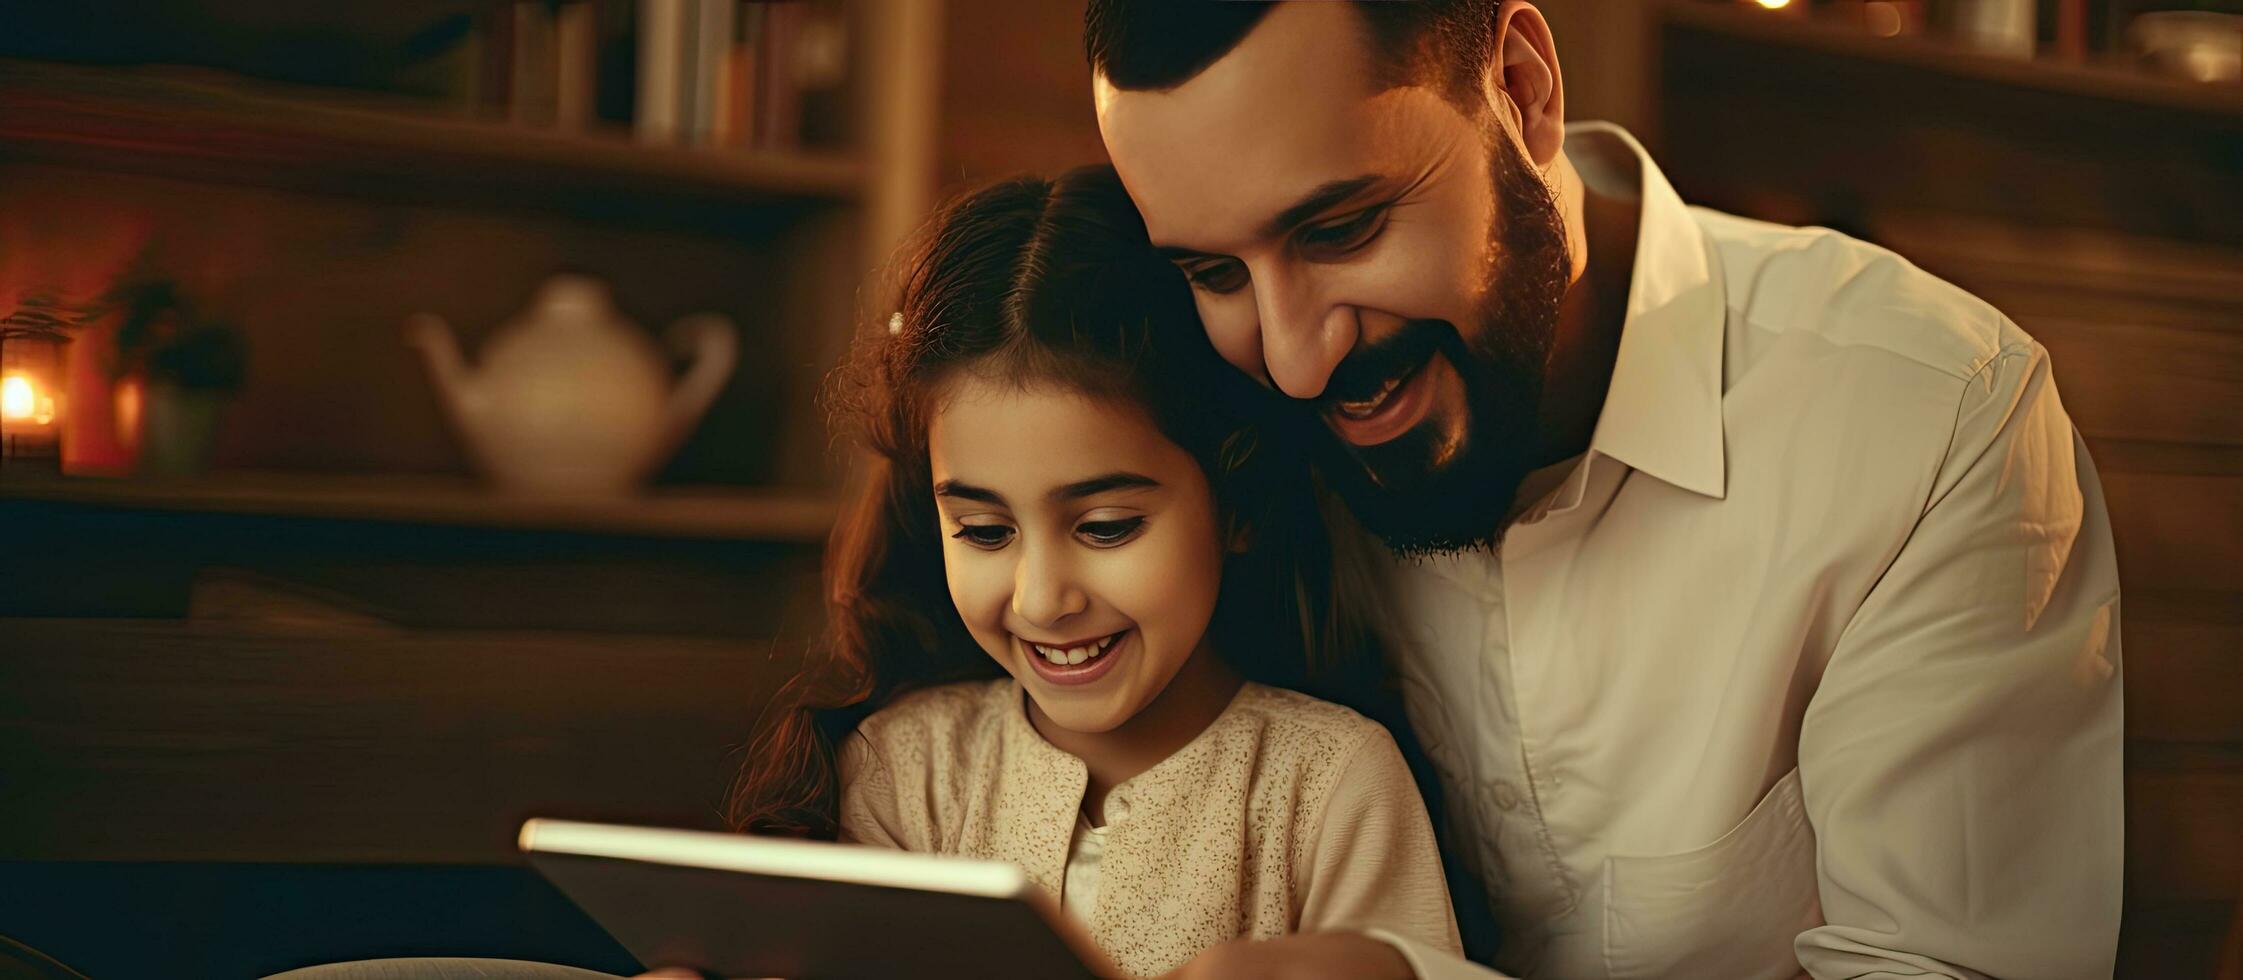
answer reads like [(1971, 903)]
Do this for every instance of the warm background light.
[(1774, 4), (125, 412), (1885, 19), (17, 397)]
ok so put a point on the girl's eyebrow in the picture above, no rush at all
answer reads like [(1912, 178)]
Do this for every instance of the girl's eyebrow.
[(1077, 490), (1103, 484), (967, 491)]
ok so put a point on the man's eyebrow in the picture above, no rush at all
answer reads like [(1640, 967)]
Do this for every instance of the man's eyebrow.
[(967, 491), (1309, 206), (1315, 202), (1104, 484)]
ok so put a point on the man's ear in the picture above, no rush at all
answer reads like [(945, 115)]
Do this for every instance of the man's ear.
[(1523, 81)]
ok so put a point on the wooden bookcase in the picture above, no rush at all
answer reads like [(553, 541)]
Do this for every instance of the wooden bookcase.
[(465, 215), (336, 667)]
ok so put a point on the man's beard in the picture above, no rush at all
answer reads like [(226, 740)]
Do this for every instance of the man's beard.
[(1423, 492)]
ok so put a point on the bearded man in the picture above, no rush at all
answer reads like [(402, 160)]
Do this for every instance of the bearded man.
[(1752, 593)]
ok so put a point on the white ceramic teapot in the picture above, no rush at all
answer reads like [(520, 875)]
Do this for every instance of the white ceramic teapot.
[(572, 399)]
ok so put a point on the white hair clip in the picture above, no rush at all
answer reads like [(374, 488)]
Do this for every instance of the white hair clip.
[(895, 323)]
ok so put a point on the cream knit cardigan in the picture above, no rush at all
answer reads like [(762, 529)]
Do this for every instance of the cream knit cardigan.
[(1288, 814)]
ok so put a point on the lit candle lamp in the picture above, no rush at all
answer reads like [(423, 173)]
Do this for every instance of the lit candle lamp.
[(16, 397), (31, 398), (1786, 8)]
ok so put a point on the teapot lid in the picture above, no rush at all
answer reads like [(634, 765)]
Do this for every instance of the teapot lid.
[(581, 299)]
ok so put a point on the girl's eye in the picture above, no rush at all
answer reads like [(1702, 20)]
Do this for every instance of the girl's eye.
[(1220, 276), (991, 536), (1106, 534), (1345, 235)]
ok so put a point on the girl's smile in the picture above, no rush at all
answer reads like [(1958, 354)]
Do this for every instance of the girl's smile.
[(1076, 663)]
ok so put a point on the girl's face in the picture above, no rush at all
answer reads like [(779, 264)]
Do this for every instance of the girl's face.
[(1081, 545)]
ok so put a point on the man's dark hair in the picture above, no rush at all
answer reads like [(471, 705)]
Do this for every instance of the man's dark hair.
[(1161, 44)]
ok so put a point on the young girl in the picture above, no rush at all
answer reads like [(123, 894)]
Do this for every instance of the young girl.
[(1074, 606)]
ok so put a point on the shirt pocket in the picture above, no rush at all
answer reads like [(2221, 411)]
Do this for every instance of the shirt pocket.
[(1730, 909)]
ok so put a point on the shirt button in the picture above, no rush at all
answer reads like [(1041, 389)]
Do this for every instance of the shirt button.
[(1506, 796), (1117, 809)]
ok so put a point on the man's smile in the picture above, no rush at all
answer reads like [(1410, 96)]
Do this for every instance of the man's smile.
[(1396, 406)]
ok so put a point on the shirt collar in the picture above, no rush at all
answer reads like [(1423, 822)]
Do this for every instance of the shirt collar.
[(1662, 414)]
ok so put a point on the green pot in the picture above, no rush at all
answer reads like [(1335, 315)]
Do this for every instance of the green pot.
[(178, 429)]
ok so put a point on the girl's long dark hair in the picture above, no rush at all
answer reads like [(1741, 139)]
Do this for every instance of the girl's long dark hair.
[(1036, 281)]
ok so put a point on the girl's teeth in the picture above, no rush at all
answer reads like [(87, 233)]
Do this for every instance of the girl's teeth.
[(1071, 656)]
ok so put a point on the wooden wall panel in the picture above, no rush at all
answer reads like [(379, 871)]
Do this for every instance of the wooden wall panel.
[(2166, 940), (2184, 673), (2143, 382), (2184, 822), (2177, 531), (125, 740), (1015, 92)]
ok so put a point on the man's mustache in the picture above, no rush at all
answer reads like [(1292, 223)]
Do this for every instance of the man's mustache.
[(1370, 366)]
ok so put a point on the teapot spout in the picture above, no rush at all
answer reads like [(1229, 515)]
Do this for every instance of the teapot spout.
[(447, 368)]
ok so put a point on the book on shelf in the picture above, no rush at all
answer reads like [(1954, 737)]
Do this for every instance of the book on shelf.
[(760, 74), (821, 52), (534, 91), (777, 121), (662, 33), (576, 42), (736, 121), (735, 73), (707, 86)]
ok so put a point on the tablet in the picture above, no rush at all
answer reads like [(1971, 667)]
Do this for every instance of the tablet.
[(740, 906)]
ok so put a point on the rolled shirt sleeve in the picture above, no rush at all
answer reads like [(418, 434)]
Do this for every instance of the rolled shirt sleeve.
[(1961, 760)]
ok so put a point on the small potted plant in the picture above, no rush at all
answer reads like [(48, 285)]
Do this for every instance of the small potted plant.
[(184, 365)]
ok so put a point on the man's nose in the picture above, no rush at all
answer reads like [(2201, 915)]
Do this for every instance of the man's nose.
[(1044, 590), (1303, 337)]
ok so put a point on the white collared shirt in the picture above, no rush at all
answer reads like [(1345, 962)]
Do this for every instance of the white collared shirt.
[(1810, 665)]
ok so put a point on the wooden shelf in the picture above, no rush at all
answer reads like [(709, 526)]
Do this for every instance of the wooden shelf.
[(2093, 80), (209, 126), (702, 512)]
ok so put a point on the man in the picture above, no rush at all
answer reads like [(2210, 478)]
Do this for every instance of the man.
[(1757, 603)]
